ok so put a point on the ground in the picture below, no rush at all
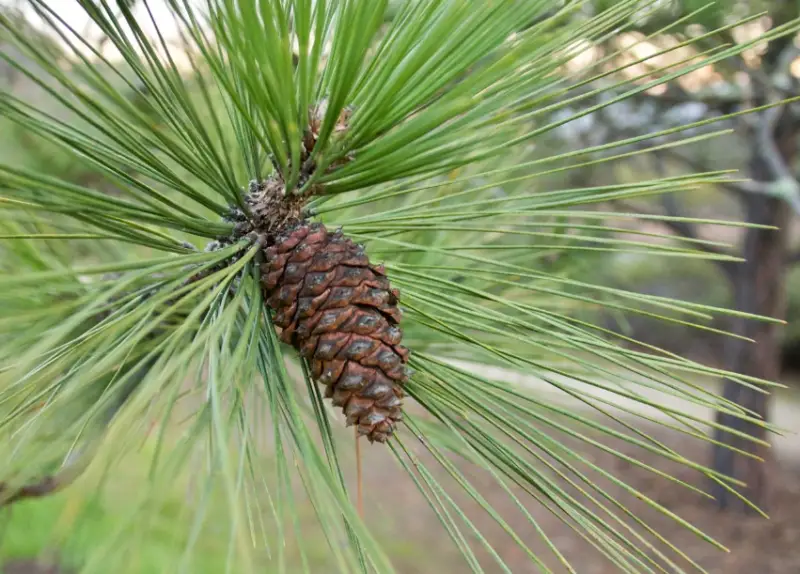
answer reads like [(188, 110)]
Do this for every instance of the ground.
[(418, 544), (756, 545), (31, 567)]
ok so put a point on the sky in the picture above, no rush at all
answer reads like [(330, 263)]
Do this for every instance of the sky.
[(75, 16), (71, 12)]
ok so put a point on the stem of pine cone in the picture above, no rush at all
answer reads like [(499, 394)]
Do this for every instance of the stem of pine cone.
[(359, 491)]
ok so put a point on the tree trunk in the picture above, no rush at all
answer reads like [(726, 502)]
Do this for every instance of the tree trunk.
[(758, 288)]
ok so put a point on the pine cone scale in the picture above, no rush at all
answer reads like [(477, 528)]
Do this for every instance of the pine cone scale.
[(340, 312)]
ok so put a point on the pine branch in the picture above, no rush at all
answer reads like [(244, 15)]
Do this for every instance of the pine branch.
[(413, 136), (79, 460)]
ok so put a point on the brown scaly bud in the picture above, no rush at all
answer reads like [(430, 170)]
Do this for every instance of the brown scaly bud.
[(311, 136), (315, 117), (340, 312)]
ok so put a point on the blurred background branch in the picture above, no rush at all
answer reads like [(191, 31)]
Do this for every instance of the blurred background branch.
[(765, 191)]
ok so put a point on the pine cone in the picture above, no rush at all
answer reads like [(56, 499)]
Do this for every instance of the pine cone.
[(340, 313)]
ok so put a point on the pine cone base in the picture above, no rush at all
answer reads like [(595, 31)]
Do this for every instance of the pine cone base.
[(340, 312)]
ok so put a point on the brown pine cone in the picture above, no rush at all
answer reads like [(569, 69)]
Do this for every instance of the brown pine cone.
[(340, 313)]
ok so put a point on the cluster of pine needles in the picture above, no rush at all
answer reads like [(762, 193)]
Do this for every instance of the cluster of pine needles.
[(134, 311)]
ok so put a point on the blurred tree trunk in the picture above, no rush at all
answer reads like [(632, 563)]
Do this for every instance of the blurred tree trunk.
[(759, 288), (769, 137)]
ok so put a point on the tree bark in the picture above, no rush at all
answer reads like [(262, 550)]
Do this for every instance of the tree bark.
[(758, 288)]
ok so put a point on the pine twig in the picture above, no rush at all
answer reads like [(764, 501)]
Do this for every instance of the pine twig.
[(359, 477)]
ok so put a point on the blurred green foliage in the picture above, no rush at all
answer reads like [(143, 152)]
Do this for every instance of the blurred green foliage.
[(47, 528)]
